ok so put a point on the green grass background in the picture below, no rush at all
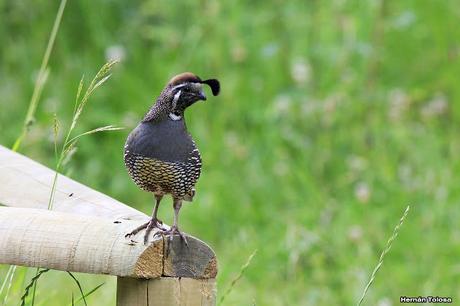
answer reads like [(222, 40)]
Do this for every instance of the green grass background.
[(333, 117)]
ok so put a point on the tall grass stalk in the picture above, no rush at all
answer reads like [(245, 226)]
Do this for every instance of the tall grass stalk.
[(33, 283), (384, 253), (236, 279), (33, 104), (70, 142), (41, 78), (7, 282), (6, 277)]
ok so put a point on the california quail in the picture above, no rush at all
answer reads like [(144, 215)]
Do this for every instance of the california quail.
[(160, 154)]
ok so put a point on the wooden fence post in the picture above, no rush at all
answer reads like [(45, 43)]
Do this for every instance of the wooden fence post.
[(165, 291), (85, 233)]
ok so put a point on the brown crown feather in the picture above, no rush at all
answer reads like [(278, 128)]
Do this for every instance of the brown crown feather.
[(188, 77), (184, 77)]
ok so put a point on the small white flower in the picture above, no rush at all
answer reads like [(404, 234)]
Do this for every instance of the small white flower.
[(399, 103), (115, 52), (362, 192), (355, 233), (404, 20), (385, 302), (282, 104), (435, 107), (356, 163), (300, 71)]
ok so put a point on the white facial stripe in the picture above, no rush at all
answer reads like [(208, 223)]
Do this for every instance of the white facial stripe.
[(174, 117), (195, 86), (176, 98), (179, 86)]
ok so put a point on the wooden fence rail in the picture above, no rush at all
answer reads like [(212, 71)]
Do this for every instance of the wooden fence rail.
[(85, 233)]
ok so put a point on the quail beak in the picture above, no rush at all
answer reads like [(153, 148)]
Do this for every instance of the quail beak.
[(202, 96)]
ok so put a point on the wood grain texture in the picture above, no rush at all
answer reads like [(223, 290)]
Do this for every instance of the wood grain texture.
[(40, 238), (68, 242), (132, 292), (166, 291), (26, 183), (197, 260)]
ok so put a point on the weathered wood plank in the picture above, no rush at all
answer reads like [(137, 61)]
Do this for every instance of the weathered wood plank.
[(41, 238), (26, 183), (166, 291), (61, 241), (132, 292)]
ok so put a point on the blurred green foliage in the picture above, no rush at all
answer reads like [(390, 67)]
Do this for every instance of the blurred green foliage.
[(333, 117)]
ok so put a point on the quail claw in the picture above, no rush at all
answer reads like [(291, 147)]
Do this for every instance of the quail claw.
[(153, 223)]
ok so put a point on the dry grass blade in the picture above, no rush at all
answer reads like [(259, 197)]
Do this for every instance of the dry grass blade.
[(6, 277), (236, 279), (101, 81), (41, 78), (99, 129), (80, 88), (384, 253), (55, 134), (101, 77), (69, 152), (7, 282)]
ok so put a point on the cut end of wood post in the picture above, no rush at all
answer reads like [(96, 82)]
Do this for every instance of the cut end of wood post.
[(197, 260), (150, 262)]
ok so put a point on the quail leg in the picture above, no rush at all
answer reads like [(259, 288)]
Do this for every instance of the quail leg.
[(174, 228), (153, 223)]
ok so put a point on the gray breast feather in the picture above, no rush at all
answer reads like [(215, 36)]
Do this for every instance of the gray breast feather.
[(166, 140)]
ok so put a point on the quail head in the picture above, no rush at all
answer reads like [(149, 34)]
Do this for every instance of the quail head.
[(160, 154)]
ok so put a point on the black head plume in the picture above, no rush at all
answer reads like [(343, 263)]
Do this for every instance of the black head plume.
[(214, 84)]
